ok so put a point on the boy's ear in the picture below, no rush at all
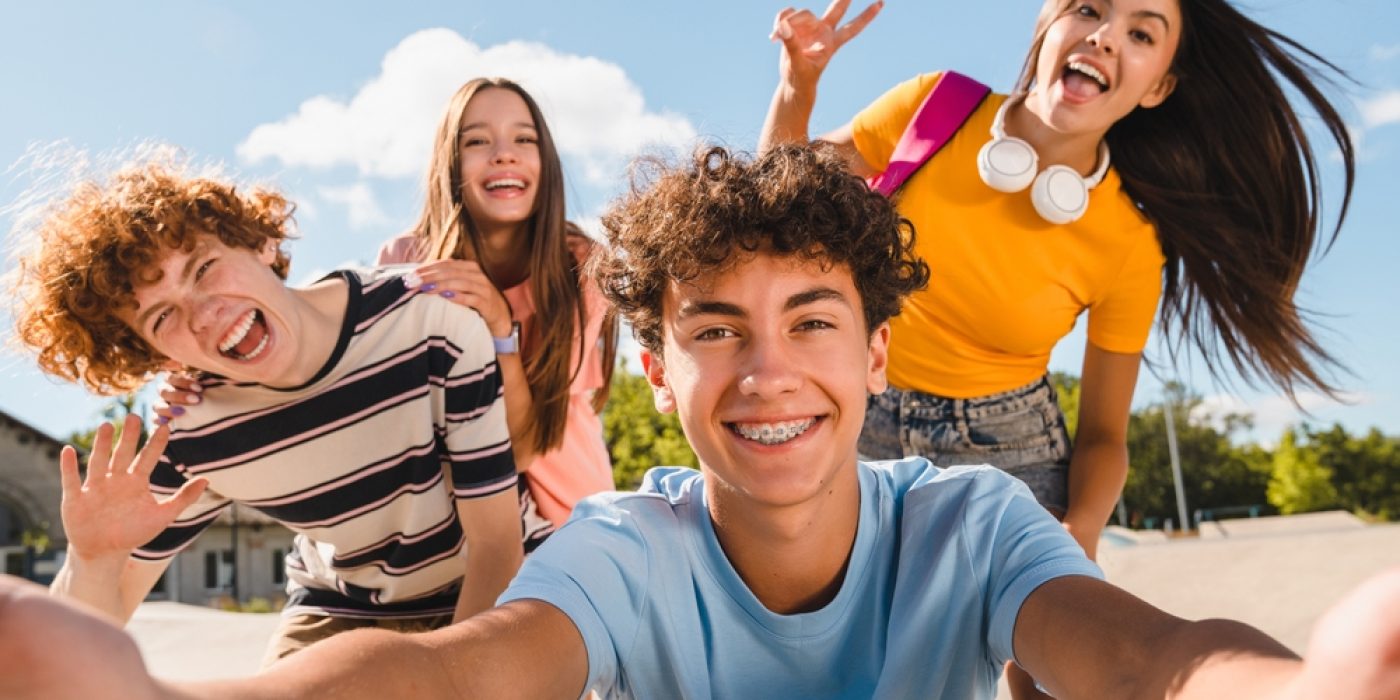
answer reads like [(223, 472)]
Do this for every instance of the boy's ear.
[(267, 254), (655, 372), (879, 357)]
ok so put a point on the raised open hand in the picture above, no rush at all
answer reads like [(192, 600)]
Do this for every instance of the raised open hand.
[(810, 41), (113, 511)]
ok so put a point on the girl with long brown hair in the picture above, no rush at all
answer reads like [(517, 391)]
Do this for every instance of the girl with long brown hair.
[(492, 236), (1168, 123)]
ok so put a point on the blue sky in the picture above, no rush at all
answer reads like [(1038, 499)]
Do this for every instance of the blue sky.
[(333, 103)]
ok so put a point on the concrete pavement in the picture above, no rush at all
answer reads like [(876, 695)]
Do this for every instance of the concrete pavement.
[(1278, 574)]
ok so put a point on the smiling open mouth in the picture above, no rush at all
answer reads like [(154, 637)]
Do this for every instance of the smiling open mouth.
[(772, 433), (247, 339), (1081, 77), (505, 182)]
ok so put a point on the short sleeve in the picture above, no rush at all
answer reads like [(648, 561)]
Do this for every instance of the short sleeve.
[(1121, 319), (1027, 549), (401, 249), (878, 128), (474, 415), (165, 481), (596, 570)]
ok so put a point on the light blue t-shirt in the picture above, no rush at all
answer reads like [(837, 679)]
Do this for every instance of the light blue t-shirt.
[(942, 561)]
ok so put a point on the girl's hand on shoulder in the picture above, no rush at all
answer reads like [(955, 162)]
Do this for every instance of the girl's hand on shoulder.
[(179, 390), (810, 41), (463, 282)]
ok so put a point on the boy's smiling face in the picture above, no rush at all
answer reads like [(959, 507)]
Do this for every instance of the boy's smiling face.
[(769, 365), (223, 310)]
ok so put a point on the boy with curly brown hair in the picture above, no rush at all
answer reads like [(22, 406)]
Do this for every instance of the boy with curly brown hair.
[(784, 567), (363, 415)]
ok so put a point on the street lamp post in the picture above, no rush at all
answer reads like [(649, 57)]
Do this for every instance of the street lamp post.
[(1169, 410)]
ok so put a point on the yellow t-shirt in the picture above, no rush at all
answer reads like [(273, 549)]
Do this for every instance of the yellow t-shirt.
[(1006, 285)]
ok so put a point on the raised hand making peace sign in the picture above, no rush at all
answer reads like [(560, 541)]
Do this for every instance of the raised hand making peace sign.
[(809, 41)]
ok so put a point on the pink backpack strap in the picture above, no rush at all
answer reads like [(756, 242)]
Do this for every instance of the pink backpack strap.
[(948, 105)]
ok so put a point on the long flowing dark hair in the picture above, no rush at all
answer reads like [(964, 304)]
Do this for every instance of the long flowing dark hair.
[(1224, 170), (448, 232)]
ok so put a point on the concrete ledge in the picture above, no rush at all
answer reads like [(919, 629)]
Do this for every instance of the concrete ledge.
[(1114, 535), (1326, 521)]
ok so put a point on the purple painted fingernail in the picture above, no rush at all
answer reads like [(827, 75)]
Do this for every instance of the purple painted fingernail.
[(448, 294), (177, 410), (428, 287), (162, 420)]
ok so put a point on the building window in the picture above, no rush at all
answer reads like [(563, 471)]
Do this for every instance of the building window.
[(14, 561), (218, 570), (279, 566)]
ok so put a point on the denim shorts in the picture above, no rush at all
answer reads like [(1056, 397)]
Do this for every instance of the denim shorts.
[(1021, 431)]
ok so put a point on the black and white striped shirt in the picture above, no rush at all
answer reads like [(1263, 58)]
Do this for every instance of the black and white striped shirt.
[(355, 460)]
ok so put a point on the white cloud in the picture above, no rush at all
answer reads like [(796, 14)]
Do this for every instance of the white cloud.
[(306, 209), (1384, 53), (591, 225), (362, 208), (1384, 109), (1357, 134), (597, 114), (1271, 414)]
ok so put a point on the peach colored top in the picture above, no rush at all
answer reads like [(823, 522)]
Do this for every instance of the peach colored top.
[(580, 466)]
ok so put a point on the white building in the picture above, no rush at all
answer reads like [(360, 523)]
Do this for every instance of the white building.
[(30, 529)]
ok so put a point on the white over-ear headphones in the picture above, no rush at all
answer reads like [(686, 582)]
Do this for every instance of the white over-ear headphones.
[(1009, 164)]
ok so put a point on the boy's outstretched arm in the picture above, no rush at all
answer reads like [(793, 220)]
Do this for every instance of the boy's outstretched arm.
[(57, 649), (1081, 637), (525, 649)]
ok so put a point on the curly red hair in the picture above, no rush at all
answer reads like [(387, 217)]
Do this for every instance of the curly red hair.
[(107, 238)]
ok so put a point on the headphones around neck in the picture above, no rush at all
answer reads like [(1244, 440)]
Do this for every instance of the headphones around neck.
[(1009, 164)]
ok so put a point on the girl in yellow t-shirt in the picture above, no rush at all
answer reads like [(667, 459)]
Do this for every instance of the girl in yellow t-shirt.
[(1212, 191)]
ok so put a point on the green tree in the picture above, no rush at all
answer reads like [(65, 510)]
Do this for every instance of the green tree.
[(1365, 470), (1067, 391), (1215, 473), (1300, 483), (114, 412), (638, 436)]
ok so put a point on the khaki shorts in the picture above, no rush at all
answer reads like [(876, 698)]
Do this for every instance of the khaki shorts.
[(296, 632)]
